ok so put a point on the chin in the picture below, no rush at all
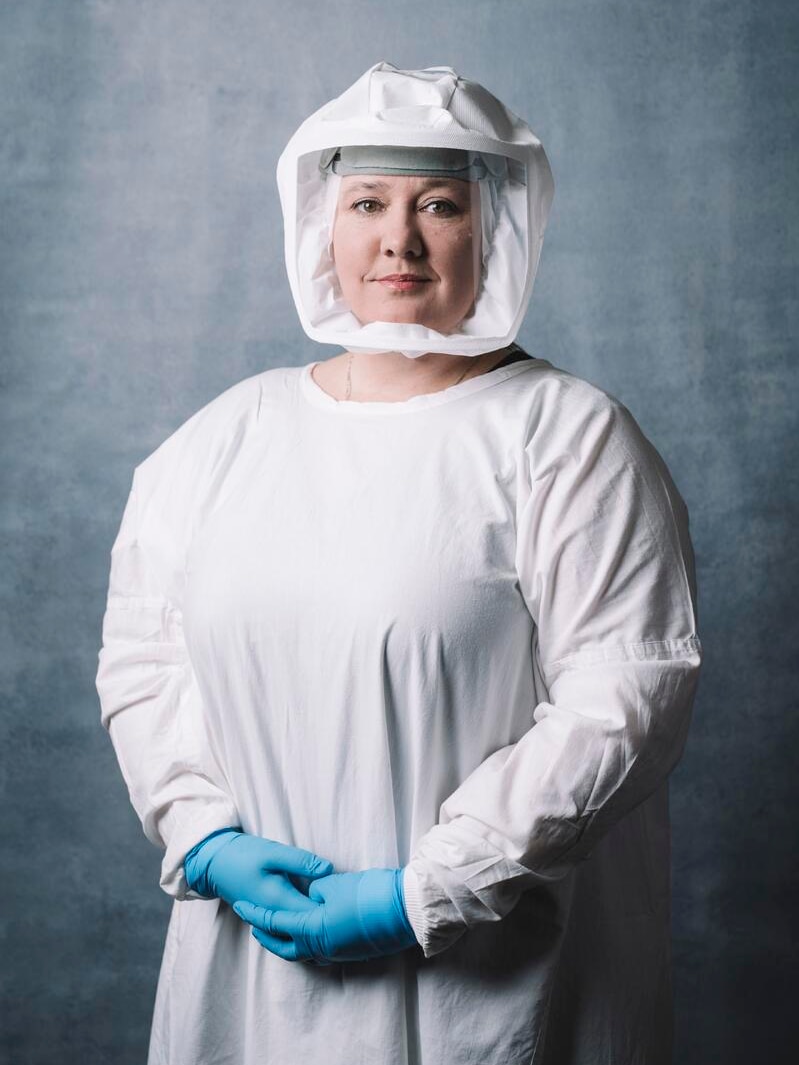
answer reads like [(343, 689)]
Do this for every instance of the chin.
[(406, 316)]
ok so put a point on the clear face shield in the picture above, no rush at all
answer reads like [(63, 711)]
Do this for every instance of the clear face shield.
[(495, 187)]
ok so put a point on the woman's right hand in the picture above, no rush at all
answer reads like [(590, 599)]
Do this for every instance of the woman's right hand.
[(234, 866)]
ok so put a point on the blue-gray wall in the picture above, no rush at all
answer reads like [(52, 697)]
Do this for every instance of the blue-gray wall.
[(142, 273)]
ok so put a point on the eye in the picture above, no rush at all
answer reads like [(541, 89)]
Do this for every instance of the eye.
[(369, 206), (441, 208)]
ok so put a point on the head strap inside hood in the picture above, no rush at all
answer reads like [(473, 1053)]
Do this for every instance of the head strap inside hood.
[(417, 161)]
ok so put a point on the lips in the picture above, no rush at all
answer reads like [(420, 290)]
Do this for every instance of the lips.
[(403, 282), (403, 277)]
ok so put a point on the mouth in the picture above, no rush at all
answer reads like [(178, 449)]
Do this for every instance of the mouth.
[(403, 282)]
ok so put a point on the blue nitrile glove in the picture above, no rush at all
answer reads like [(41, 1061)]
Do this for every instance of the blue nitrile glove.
[(232, 865), (357, 916)]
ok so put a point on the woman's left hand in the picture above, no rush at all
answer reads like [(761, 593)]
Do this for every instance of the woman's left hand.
[(358, 916)]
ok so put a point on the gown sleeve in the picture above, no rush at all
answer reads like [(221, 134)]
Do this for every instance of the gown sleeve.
[(151, 706), (606, 569)]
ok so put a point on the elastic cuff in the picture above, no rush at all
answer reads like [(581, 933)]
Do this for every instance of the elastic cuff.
[(197, 861), (183, 836), (413, 907)]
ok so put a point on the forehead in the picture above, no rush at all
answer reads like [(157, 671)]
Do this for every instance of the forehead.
[(402, 183)]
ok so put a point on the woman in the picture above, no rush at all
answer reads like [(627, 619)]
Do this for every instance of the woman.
[(400, 647)]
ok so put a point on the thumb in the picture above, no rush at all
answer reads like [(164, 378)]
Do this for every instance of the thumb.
[(281, 857), (317, 891)]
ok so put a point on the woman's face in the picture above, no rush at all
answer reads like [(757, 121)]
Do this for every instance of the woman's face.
[(425, 229)]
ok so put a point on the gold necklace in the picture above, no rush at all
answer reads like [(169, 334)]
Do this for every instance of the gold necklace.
[(348, 391)]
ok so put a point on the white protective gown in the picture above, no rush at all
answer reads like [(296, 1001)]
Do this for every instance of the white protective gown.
[(455, 633)]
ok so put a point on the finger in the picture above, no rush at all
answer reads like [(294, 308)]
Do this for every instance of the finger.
[(271, 921), (282, 927), (251, 913), (259, 920), (275, 891), (283, 948), (303, 884), (288, 859), (295, 901), (284, 923), (316, 891)]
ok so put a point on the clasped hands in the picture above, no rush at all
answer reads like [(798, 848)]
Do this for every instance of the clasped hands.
[(343, 917)]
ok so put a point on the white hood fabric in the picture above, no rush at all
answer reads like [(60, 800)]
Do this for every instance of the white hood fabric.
[(434, 108)]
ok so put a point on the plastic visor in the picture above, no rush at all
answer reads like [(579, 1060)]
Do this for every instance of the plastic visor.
[(510, 251)]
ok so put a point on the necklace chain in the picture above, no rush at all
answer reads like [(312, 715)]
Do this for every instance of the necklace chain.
[(348, 391)]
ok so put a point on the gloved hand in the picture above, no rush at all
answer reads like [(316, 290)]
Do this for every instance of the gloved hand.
[(356, 916), (232, 865)]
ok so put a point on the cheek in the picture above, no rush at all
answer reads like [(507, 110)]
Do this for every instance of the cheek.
[(457, 256), (345, 250)]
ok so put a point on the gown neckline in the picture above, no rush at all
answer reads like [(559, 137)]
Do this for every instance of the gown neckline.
[(316, 395)]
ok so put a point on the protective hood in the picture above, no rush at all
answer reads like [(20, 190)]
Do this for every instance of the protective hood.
[(414, 109)]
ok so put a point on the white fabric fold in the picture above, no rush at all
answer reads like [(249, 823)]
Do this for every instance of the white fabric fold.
[(153, 710)]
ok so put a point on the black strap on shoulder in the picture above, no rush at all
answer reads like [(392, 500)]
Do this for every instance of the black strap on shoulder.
[(516, 354)]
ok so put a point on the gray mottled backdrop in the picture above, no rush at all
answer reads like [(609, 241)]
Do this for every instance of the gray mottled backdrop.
[(142, 273)]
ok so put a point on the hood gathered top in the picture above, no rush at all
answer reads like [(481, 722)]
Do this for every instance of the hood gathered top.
[(430, 108)]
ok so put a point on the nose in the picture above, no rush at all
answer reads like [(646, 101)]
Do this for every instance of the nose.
[(401, 237)]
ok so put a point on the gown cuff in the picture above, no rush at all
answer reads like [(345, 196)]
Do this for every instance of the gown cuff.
[(413, 906), (183, 835)]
